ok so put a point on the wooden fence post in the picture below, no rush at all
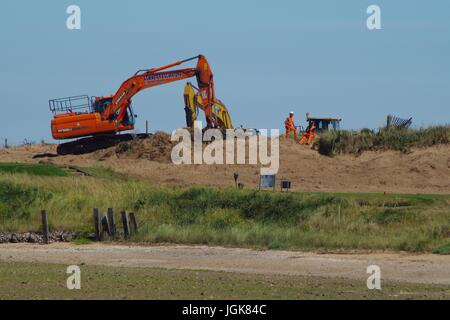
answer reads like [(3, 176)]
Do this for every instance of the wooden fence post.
[(45, 231), (133, 223), (96, 224), (106, 230), (339, 214), (389, 121), (126, 230), (112, 222)]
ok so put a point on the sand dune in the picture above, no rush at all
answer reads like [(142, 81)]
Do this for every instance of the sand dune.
[(424, 170)]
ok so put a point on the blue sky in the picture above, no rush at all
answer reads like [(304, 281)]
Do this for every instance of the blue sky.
[(268, 58)]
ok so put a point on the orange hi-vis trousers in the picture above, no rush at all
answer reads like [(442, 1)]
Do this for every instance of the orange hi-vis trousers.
[(308, 138), (289, 130)]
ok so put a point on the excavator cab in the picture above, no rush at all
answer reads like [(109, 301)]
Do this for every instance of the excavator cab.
[(101, 104)]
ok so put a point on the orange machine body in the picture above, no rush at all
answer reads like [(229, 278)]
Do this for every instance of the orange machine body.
[(113, 114), (74, 125)]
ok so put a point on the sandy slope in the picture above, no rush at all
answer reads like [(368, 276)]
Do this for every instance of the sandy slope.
[(421, 171), (426, 269)]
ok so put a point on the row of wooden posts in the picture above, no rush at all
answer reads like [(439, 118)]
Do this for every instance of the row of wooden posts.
[(105, 226)]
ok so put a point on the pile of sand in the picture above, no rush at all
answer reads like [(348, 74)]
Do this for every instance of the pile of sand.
[(157, 147)]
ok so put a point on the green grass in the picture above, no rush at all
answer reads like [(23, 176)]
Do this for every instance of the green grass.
[(373, 195), (48, 281), (32, 169), (229, 217), (356, 142), (82, 241), (102, 173), (445, 249)]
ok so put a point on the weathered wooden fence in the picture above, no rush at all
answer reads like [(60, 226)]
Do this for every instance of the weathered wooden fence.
[(105, 227), (395, 122)]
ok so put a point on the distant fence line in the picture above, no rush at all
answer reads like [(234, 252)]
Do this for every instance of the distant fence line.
[(395, 122), (5, 143)]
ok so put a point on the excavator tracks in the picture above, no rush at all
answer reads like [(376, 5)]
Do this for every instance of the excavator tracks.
[(92, 144)]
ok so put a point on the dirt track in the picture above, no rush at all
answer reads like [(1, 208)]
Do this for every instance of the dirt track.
[(422, 171), (425, 269)]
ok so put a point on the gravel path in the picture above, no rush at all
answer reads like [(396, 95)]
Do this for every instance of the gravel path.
[(401, 267)]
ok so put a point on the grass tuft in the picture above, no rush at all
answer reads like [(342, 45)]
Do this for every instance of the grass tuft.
[(445, 250), (32, 169)]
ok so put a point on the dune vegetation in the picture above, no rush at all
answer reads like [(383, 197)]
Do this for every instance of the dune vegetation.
[(355, 142), (229, 217)]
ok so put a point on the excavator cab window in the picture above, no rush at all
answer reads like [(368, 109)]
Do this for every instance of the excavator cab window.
[(101, 105), (129, 118)]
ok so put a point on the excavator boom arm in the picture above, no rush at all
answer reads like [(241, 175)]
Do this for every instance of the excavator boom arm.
[(122, 99), (144, 79)]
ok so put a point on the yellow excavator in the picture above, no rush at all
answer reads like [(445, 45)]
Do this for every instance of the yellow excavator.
[(193, 103)]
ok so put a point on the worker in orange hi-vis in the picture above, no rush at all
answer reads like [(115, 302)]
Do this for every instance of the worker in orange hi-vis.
[(290, 126), (309, 136)]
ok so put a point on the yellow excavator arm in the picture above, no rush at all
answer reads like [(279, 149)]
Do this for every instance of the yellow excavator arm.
[(193, 102)]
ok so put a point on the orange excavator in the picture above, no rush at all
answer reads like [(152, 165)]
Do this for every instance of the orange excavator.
[(98, 120)]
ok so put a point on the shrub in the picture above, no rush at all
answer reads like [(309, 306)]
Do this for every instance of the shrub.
[(356, 142), (445, 249), (123, 147), (15, 201)]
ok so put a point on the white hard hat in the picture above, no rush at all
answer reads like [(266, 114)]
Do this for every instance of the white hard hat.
[(292, 112)]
